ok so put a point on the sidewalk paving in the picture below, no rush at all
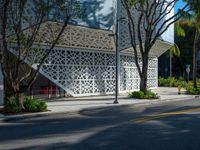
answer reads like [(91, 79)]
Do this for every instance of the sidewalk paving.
[(73, 105), (77, 104)]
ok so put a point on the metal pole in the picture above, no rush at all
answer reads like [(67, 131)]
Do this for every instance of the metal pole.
[(170, 65), (116, 56)]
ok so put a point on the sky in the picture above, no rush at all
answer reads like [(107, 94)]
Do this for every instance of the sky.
[(179, 5)]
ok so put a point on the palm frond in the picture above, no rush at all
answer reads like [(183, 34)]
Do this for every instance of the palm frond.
[(179, 30), (175, 51)]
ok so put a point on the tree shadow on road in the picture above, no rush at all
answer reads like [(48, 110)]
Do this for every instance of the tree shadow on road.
[(106, 129)]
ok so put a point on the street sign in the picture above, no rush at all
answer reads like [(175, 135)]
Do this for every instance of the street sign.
[(188, 68), (188, 71)]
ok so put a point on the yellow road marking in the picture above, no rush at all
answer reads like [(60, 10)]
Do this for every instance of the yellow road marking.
[(162, 115)]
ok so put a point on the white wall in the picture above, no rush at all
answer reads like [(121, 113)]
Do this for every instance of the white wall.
[(169, 34), (94, 13), (98, 14), (124, 38)]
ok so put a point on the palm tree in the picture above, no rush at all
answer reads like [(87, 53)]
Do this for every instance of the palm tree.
[(173, 51), (192, 19)]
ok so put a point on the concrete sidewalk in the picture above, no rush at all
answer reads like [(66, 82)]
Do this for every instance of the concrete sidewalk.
[(77, 104), (70, 105)]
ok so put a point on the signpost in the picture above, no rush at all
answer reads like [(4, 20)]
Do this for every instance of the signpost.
[(188, 71)]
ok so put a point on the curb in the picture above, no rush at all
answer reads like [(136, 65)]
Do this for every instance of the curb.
[(74, 112)]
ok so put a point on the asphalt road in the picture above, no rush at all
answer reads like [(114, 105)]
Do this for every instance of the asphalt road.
[(167, 126)]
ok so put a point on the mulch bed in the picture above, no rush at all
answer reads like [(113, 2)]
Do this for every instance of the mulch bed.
[(3, 111)]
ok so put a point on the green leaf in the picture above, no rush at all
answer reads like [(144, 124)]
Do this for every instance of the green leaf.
[(175, 50), (179, 31)]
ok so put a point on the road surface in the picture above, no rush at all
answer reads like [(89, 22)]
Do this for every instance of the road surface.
[(166, 126)]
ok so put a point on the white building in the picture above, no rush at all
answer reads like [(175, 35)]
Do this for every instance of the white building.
[(83, 61)]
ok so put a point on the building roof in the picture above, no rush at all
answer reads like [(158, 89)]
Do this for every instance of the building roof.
[(157, 50), (86, 38)]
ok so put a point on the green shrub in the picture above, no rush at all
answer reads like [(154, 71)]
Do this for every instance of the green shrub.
[(171, 82), (181, 78), (137, 94), (194, 91), (166, 82), (198, 82), (42, 106), (33, 105), (151, 95), (191, 90), (11, 105), (163, 82), (189, 85), (30, 105), (141, 95)]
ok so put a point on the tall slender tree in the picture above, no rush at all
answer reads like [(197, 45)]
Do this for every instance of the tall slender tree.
[(154, 19), (195, 7), (184, 37), (192, 19), (23, 20)]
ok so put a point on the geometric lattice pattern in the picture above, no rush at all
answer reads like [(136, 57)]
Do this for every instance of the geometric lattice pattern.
[(90, 39), (83, 73), (91, 73), (74, 36), (124, 36), (129, 77), (83, 61)]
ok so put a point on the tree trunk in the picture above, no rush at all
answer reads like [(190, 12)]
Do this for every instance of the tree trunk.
[(194, 59), (19, 96), (170, 65), (143, 77)]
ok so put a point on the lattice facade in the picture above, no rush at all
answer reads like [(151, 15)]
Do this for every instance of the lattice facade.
[(83, 63), (124, 36), (129, 76), (84, 72), (91, 73), (73, 36)]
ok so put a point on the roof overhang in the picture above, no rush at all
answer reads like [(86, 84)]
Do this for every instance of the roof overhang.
[(73, 37), (160, 47), (87, 38), (157, 50)]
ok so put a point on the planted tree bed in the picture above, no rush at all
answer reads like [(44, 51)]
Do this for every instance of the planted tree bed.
[(5, 112), (29, 106)]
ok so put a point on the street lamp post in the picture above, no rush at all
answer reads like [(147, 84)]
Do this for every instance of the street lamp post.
[(116, 56)]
